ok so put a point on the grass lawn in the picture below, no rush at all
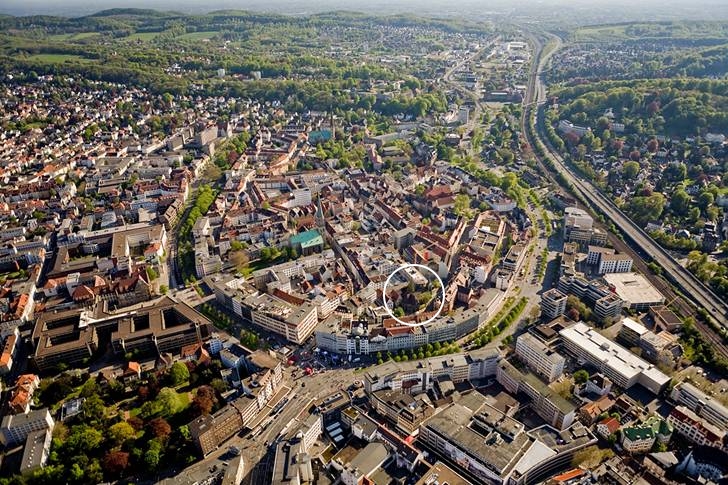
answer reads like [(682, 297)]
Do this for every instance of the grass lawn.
[(183, 402), (58, 58), (198, 35), (143, 36), (72, 36)]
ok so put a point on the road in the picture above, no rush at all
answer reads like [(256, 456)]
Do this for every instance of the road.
[(475, 116), (699, 295), (257, 451)]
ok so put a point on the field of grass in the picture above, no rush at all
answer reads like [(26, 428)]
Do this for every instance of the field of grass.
[(73, 36), (601, 33), (58, 58), (142, 36), (198, 35), (652, 30)]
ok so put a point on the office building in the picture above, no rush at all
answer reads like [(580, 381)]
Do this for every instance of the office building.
[(607, 260), (72, 336), (636, 291), (553, 304), (701, 404), (15, 428), (577, 225), (547, 403), (486, 446), (696, 429), (539, 357), (614, 361), (36, 450)]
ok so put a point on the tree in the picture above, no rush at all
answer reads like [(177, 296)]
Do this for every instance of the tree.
[(115, 462), (705, 200), (239, 259), (204, 400), (152, 273), (160, 428), (630, 170), (680, 202), (462, 205), (653, 145), (84, 439), (178, 373), (581, 376), (89, 388), (168, 401), (163, 289), (153, 454), (136, 423), (121, 432), (644, 209), (93, 408)]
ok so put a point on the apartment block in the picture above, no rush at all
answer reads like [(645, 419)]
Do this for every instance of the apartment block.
[(405, 411), (420, 376), (209, 431), (642, 437)]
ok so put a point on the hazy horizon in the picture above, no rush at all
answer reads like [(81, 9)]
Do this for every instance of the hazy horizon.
[(583, 11)]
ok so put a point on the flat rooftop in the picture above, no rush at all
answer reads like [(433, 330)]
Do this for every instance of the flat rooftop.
[(601, 349), (441, 473), (634, 288)]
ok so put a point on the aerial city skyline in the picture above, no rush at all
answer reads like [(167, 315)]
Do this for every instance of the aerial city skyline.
[(412, 243)]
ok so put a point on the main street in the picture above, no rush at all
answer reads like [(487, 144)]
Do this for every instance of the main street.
[(694, 290)]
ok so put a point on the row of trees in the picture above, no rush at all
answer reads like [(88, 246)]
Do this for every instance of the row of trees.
[(422, 352), (508, 314)]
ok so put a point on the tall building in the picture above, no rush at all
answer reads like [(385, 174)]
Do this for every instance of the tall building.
[(539, 357), (15, 428), (577, 225), (553, 303)]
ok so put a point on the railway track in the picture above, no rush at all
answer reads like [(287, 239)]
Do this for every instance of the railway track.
[(699, 295)]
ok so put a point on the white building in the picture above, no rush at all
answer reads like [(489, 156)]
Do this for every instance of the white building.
[(614, 361), (15, 428), (539, 357), (696, 429), (701, 404), (635, 290), (553, 303)]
